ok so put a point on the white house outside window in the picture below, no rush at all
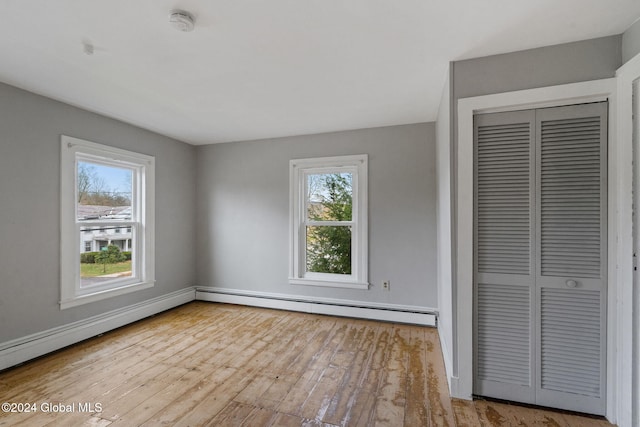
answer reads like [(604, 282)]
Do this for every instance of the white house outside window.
[(328, 217), (105, 190)]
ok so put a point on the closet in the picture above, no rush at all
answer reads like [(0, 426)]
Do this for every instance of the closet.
[(540, 247)]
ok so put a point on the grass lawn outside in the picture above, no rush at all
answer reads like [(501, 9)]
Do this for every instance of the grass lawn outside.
[(95, 270)]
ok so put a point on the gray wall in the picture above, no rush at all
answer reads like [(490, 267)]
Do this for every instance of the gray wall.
[(243, 213), (547, 66), (30, 209), (631, 42), (446, 317)]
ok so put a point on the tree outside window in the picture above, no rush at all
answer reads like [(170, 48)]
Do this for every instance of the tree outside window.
[(329, 199)]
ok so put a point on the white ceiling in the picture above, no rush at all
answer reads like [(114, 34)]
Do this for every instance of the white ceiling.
[(260, 69)]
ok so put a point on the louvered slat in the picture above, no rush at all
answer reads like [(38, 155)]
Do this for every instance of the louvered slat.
[(570, 341), (503, 211), (570, 197), (503, 334)]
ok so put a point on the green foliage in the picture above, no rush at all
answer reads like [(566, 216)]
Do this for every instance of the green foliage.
[(111, 255), (88, 257), (329, 247), (127, 255)]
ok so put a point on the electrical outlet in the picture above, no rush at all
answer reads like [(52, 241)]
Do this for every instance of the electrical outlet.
[(386, 285)]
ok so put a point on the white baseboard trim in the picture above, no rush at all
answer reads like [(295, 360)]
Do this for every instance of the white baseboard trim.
[(446, 356), (456, 392), (22, 349), (335, 307)]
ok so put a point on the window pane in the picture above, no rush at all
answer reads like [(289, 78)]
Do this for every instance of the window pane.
[(105, 255), (329, 249), (103, 192), (329, 197)]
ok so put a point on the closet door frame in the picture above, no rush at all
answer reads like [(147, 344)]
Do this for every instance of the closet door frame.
[(628, 389), (576, 93)]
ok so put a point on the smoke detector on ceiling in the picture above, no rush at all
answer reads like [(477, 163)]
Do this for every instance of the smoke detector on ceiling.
[(181, 20)]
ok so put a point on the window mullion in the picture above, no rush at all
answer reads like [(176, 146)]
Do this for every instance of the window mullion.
[(118, 223), (330, 223)]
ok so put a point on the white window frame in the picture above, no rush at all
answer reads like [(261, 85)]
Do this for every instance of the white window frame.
[(299, 169), (142, 222)]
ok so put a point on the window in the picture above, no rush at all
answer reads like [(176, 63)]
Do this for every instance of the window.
[(328, 217), (104, 189), (87, 246)]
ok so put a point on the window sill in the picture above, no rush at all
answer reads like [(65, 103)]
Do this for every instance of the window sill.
[(101, 295), (329, 284)]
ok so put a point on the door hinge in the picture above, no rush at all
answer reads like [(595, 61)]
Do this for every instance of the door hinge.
[(635, 262)]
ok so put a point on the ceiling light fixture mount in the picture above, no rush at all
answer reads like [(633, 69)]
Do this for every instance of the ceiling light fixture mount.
[(87, 47), (181, 20)]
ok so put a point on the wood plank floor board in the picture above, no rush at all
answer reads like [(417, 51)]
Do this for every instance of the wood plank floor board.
[(286, 340), (317, 403), (300, 391), (265, 392), (417, 413), (234, 414), (355, 358), (218, 364), (157, 397), (199, 391), (212, 403), (259, 417), (465, 413), (304, 360), (440, 408), (288, 357), (136, 391), (391, 401)]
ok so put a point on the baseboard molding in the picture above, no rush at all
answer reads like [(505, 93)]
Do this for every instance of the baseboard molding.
[(22, 349), (456, 392), (374, 311), (446, 356)]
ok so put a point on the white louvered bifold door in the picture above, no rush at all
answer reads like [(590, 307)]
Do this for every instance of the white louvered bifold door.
[(504, 267), (540, 256), (571, 246)]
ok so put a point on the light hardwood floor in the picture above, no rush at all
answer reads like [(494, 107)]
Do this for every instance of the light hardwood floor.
[(215, 364)]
